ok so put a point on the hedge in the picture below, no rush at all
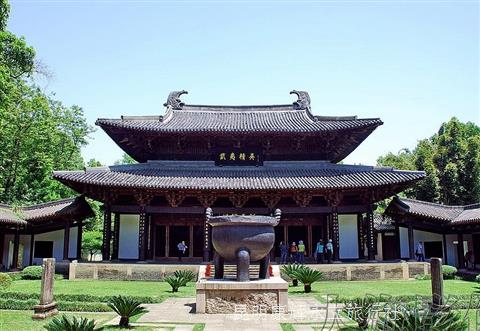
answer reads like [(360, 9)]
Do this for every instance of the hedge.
[(75, 297), (13, 304)]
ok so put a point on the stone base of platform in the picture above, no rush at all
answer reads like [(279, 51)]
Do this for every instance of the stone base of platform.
[(41, 312), (258, 296)]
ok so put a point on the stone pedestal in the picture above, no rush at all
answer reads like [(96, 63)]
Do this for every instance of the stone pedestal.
[(220, 296), (47, 306)]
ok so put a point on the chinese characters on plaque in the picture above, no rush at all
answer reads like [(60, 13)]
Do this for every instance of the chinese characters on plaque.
[(237, 158)]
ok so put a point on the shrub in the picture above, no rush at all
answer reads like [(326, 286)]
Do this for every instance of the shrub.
[(449, 272), (174, 282), (413, 319), (32, 272), (82, 298), (290, 271), (71, 324), (358, 309), (15, 304), (423, 277), (125, 307), (308, 276), (186, 275), (5, 281)]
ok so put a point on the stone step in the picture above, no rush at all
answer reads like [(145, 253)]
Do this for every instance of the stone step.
[(230, 270)]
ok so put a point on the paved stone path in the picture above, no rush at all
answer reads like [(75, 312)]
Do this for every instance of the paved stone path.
[(180, 313)]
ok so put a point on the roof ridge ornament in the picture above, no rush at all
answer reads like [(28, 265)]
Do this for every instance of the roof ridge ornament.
[(303, 101), (173, 100)]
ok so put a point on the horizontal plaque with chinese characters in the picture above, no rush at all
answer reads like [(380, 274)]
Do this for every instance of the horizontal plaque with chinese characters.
[(237, 157)]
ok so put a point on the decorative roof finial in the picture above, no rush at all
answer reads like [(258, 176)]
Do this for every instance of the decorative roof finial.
[(174, 101), (303, 101)]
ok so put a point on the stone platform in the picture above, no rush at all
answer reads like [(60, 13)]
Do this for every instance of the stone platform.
[(221, 296)]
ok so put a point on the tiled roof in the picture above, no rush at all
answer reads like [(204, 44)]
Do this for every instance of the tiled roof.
[(447, 214), (73, 207), (281, 118), (382, 222), (203, 175)]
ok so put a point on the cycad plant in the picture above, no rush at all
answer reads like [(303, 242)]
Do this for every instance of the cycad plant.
[(291, 270), (414, 319), (175, 282), (125, 307), (185, 275), (359, 310), (307, 277), (64, 323)]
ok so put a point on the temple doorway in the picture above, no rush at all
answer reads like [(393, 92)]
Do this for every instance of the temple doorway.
[(297, 233), (179, 233)]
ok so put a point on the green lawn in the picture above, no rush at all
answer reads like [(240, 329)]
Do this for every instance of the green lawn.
[(101, 288), (22, 320), (388, 287)]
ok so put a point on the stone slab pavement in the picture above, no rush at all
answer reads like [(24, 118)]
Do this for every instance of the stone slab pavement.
[(182, 310)]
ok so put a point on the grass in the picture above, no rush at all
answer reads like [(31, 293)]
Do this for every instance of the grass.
[(22, 319), (106, 287), (387, 287)]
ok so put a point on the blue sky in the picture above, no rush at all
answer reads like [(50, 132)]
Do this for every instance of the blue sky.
[(413, 64)]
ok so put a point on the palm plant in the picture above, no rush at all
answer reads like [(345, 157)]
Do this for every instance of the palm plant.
[(291, 270), (413, 319), (359, 310), (308, 276), (175, 282), (64, 323), (186, 275), (125, 307)]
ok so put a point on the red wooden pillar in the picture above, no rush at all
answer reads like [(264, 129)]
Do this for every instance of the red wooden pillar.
[(141, 236), (116, 235), (79, 239), (335, 236), (370, 235)]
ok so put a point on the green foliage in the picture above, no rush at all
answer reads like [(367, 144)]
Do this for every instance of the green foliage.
[(414, 319), (359, 309), (32, 272), (423, 277), (175, 282), (92, 243), (308, 276), (82, 298), (185, 275), (290, 270), (449, 271), (65, 323), (125, 307), (477, 278), (126, 159), (5, 281), (451, 160), (4, 12)]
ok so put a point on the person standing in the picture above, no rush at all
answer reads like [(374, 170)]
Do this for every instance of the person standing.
[(319, 251), (419, 252), (301, 252), (329, 249), (182, 248), (293, 252), (283, 252)]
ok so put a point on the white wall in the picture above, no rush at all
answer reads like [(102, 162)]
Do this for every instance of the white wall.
[(404, 252), (348, 236), (128, 242), (451, 249)]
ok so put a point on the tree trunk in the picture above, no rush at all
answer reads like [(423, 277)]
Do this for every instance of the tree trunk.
[(307, 288), (295, 282), (124, 322)]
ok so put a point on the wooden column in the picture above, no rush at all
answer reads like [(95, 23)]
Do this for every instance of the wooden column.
[(335, 236), (411, 242), (370, 235), (285, 235), (66, 240), (79, 239), (206, 242), (16, 245), (190, 241), (141, 236), (116, 235), (460, 251), (107, 232), (150, 238), (397, 241), (32, 242), (309, 238), (361, 251), (167, 240), (444, 243)]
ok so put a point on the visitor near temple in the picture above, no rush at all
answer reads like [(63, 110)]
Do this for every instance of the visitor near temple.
[(293, 252), (283, 252), (301, 252), (319, 251), (181, 250), (329, 250)]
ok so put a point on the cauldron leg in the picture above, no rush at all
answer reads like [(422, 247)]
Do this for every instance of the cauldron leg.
[(243, 265), (264, 264), (219, 264)]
